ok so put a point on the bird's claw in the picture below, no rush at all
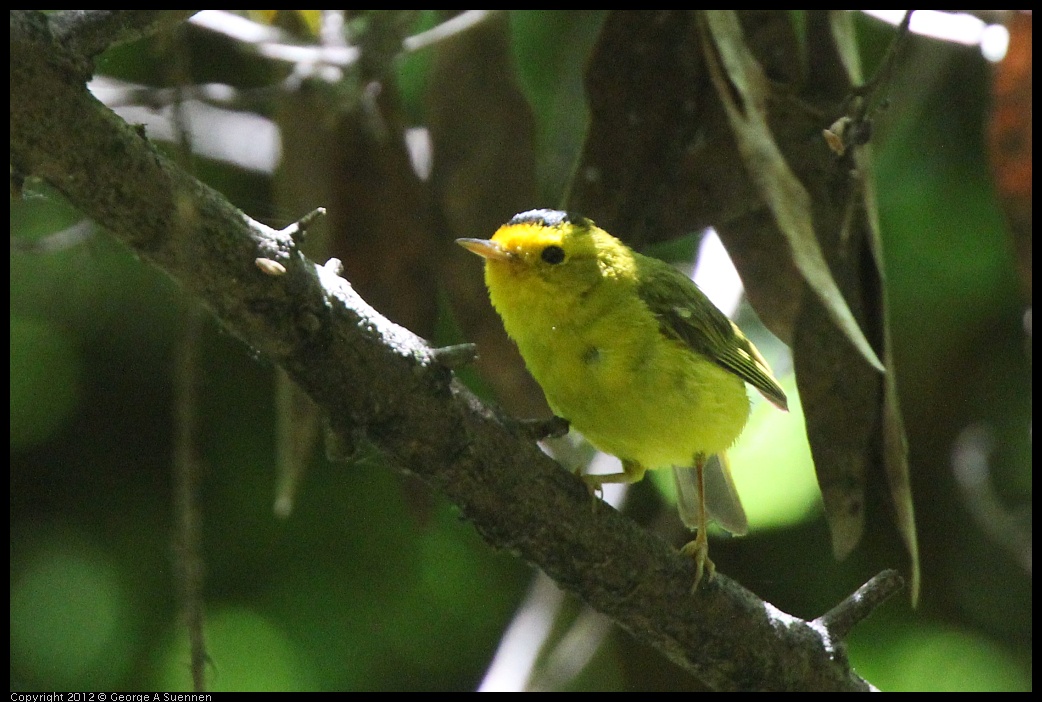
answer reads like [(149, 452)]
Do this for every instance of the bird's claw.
[(699, 551), (593, 486)]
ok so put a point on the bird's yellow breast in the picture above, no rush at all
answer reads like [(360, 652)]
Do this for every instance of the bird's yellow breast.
[(605, 366)]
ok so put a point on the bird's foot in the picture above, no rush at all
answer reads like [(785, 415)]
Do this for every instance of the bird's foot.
[(699, 551)]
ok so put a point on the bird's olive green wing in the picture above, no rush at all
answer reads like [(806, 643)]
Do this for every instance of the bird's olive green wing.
[(686, 314)]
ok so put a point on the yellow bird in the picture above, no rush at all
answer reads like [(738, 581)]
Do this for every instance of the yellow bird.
[(632, 354)]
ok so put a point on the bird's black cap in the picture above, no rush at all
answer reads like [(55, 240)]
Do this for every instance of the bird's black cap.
[(550, 218)]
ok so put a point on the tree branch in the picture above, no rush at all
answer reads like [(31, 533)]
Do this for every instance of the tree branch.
[(841, 619), (89, 32), (381, 383)]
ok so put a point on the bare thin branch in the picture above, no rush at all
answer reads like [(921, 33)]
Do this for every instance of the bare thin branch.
[(841, 619)]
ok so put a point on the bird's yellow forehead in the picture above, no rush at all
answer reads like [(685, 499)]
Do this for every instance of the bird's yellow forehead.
[(527, 241), (528, 237)]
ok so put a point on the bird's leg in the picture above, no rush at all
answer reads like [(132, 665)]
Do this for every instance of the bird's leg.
[(632, 472), (699, 548)]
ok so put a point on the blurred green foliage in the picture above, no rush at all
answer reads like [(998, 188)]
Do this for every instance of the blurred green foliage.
[(366, 585)]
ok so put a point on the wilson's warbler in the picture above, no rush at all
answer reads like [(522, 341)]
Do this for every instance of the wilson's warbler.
[(632, 354)]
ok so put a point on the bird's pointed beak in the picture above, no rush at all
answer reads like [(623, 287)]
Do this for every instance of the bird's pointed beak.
[(486, 248)]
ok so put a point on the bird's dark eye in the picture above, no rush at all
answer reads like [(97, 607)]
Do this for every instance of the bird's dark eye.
[(552, 255)]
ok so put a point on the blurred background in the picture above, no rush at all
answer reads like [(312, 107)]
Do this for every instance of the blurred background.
[(414, 128)]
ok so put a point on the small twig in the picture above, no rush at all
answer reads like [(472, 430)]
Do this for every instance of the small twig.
[(298, 230), (456, 356), (187, 475), (334, 266), (841, 619), (886, 67), (539, 429), (854, 127), (187, 460)]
